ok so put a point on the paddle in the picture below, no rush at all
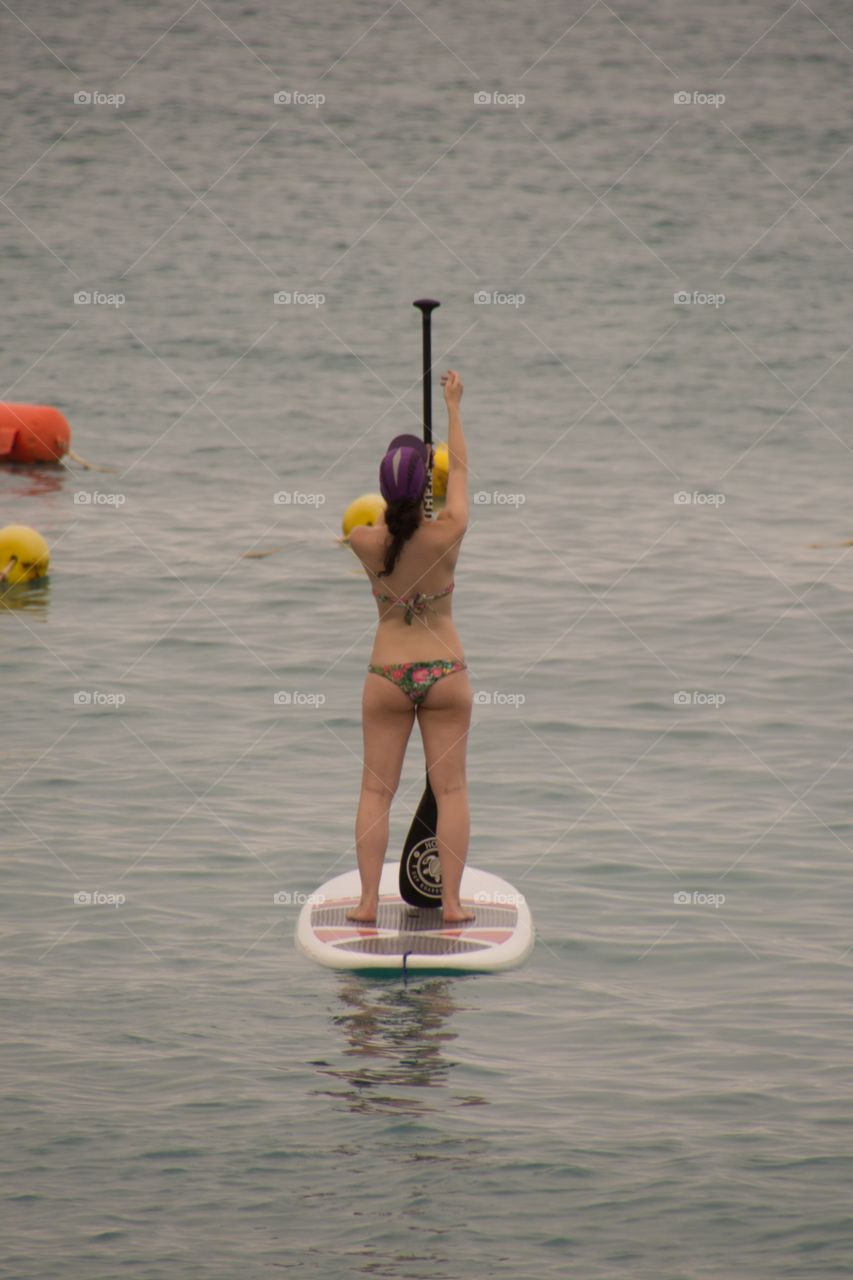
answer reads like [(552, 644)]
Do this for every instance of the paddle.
[(420, 874)]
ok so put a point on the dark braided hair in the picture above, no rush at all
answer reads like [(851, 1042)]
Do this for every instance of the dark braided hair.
[(402, 519)]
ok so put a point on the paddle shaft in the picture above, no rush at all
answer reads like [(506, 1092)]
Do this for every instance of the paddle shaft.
[(420, 886)]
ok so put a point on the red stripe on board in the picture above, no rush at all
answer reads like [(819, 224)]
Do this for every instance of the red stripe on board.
[(479, 935), (346, 933), (346, 902), (336, 935)]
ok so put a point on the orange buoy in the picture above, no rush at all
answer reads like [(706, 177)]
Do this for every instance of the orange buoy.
[(33, 433)]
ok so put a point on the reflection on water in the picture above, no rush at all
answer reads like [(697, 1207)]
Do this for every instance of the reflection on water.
[(396, 1036), (31, 596), (27, 481), (392, 1052)]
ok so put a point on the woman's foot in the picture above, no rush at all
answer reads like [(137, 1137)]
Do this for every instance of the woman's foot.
[(364, 913), (455, 913)]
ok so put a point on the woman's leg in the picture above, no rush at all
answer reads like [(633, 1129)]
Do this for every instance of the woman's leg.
[(444, 717), (387, 719)]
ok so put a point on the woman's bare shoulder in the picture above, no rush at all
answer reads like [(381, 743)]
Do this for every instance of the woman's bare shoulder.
[(364, 537)]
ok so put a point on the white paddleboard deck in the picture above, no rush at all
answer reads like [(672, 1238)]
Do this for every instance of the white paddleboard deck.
[(500, 937)]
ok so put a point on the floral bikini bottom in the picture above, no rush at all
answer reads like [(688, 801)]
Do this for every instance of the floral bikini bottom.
[(416, 678)]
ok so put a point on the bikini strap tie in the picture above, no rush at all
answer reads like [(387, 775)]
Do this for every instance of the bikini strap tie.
[(416, 603)]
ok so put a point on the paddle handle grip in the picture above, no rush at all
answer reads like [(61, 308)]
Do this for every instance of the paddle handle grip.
[(426, 306)]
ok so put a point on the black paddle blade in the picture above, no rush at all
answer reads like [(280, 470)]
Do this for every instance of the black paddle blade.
[(420, 874)]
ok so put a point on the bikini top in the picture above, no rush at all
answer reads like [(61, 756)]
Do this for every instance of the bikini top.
[(414, 604)]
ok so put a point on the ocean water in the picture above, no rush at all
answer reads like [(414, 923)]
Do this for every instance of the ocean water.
[(654, 597)]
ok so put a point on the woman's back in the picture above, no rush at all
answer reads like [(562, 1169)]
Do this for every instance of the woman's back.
[(425, 563), (415, 616), (415, 622)]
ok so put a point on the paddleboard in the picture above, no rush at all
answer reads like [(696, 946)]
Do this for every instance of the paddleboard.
[(407, 938)]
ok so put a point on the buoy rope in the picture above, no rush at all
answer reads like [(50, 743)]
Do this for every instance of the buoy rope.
[(81, 462)]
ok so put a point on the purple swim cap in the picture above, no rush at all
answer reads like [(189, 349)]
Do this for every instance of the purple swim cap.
[(402, 473)]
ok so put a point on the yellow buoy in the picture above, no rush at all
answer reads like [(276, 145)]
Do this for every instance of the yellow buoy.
[(364, 510), (440, 468), (24, 554)]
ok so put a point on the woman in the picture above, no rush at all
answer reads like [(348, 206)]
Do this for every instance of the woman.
[(417, 668)]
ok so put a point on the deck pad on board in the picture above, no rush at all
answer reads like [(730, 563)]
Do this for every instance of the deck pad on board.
[(500, 937)]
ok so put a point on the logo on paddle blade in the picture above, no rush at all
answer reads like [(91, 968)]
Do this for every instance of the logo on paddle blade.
[(424, 869)]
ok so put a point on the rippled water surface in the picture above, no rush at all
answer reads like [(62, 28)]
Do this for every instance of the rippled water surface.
[(655, 601)]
